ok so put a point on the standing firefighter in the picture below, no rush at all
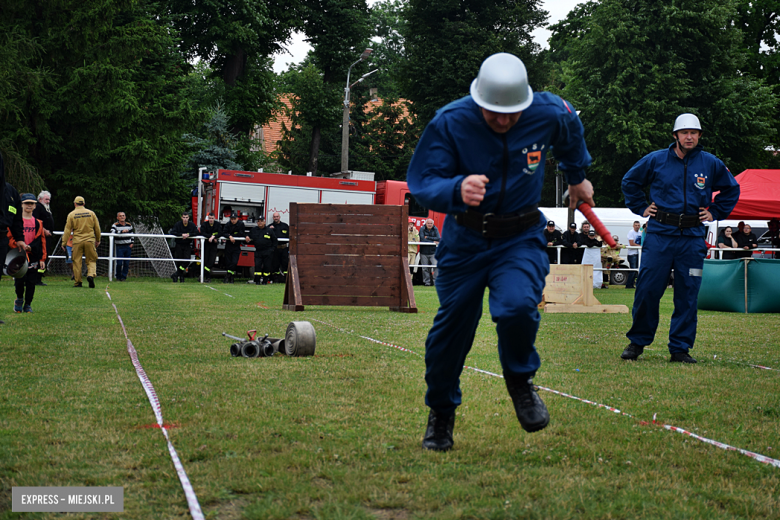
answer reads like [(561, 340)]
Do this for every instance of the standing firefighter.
[(183, 250), (681, 180), (231, 231), (86, 237), (282, 253), (265, 242), (481, 161), (211, 229)]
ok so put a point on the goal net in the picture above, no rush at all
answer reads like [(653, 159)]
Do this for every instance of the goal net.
[(155, 248)]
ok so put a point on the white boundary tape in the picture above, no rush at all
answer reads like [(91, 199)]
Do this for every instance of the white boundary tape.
[(756, 456), (189, 493)]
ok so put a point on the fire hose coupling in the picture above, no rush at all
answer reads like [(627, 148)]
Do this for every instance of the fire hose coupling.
[(299, 341)]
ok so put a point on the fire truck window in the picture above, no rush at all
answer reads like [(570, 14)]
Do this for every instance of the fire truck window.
[(415, 209)]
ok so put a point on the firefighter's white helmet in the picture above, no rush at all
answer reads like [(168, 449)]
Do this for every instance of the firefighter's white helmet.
[(502, 85), (686, 122)]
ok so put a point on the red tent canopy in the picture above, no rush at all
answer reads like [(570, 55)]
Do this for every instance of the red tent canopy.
[(759, 196)]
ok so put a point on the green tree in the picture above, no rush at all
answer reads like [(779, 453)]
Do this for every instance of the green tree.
[(338, 31), (214, 146), (236, 38), (633, 65), (382, 136), (314, 104), (108, 125), (387, 25), (447, 40)]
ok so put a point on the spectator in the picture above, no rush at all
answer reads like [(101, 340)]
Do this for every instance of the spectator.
[(429, 233), (211, 229), (43, 213), (124, 245), (231, 231), (10, 218), (554, 238), (412, 236), (265, 242), (86, 237), (35, 245), (746, 240), (282, 253), (591, 248), (634, 239), (727, 240), (610, 259), (582, 236), (183, 248), (570, 240)]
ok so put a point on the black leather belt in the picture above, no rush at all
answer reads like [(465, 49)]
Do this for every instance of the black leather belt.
[(498, 226), (680, 221)]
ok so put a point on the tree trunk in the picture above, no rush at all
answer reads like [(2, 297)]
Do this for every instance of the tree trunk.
[(235, 66), (314, 150)]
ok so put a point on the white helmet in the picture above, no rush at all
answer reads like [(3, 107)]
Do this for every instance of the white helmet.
[(686, 122), (15, 264), (502, 85)]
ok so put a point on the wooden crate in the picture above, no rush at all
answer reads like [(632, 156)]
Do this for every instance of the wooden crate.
[(348, 254), (569, 289)]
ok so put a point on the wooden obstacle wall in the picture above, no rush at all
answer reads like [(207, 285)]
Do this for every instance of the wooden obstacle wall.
[(569, 289), (348, 254)]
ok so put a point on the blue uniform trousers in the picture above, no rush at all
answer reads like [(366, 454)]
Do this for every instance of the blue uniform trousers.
[(661, 254), (514, 270)]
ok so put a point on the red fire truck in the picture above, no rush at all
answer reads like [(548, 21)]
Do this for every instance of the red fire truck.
[(251, 194)]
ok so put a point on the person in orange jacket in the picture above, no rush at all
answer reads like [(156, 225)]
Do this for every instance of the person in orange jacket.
[(35, 246)]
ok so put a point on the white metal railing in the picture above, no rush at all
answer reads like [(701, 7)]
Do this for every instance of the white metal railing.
[(112, 259), (718, 251)]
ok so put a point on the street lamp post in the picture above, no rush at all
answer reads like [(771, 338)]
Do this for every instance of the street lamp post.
[(345, 122)]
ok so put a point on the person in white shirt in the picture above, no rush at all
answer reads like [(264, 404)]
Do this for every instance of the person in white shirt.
[(634, 239)]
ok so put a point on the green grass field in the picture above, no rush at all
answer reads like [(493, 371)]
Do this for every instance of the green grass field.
[(337, 435)]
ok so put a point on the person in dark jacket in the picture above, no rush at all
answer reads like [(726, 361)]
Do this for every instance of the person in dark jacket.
[(570, 240), (429, 233), (211, 229), (35, 245), (231, 231), (746, 240), (265, 242), (554, 238), (10, 218), (183, 249), (282, 252), (727, 240), (682, 179)]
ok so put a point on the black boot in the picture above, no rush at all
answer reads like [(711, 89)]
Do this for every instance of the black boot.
[(529, 407), (91, 282), (438, 433), (632, 352), (682, 357)]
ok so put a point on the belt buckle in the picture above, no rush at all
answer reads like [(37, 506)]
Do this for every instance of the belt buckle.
[(680, 220), (485, 223)]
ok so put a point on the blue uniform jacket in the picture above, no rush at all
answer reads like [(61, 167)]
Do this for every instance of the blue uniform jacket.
[(680, 187), (458, 143)]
